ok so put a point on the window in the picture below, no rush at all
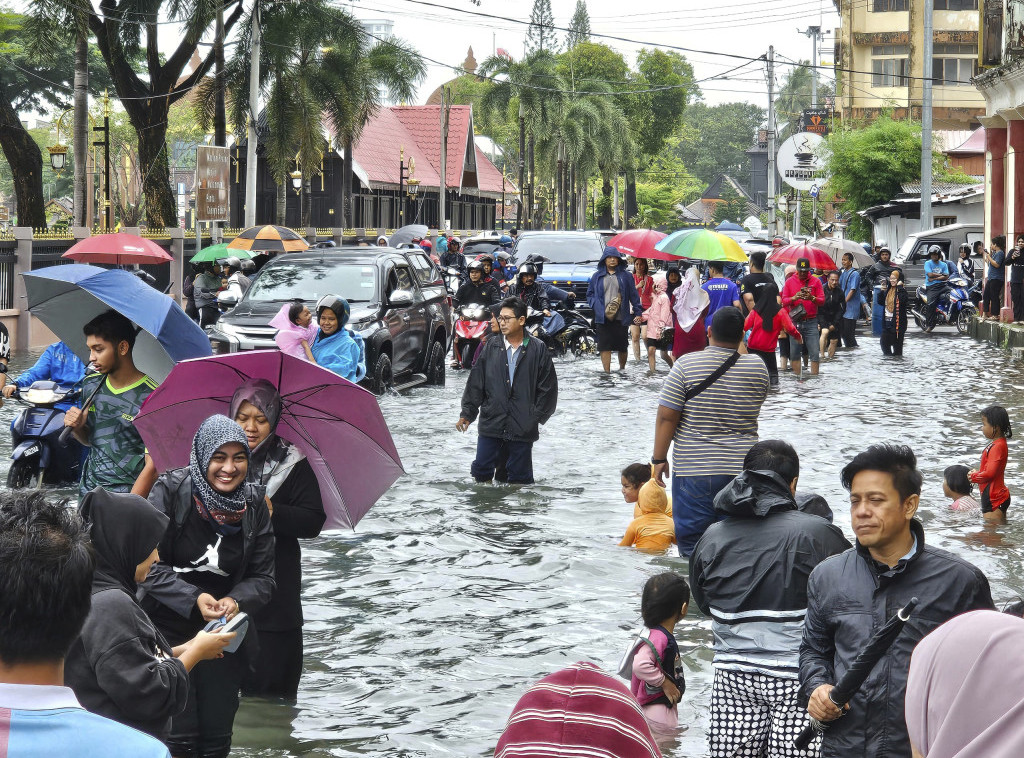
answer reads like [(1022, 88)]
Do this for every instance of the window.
[(956, 5), (890, 66), (951, 71), (881, 6), (944, 220), (424, 268)]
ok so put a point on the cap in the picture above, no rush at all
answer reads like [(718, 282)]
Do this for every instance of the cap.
[(803, 265)]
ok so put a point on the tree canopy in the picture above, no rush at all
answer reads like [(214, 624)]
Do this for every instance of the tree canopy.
[(579, 26), (715, 138), (541, 35)]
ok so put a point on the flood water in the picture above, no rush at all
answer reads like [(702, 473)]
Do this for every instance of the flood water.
[(426, 624)]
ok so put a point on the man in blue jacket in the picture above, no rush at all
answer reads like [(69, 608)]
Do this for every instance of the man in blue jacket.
[(56, 364), (616, 303)]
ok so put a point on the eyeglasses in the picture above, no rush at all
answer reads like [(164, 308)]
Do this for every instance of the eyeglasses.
[(503, 319)]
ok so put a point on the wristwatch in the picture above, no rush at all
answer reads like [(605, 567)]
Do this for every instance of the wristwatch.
[(658, 461)]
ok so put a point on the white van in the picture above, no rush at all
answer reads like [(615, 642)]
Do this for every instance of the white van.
[(914, 249)]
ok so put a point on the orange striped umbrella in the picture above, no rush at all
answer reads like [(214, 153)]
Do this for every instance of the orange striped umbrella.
[(269, 239)]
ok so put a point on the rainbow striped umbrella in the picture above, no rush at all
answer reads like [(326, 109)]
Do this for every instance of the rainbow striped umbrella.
[(702, 245)]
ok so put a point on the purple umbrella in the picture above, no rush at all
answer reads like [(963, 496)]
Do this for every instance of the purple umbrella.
[(337, 424)]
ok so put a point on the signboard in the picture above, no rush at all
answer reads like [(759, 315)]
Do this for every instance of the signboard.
[(5, 214), (801, 161), (762, 138), (815, 121), (213, 174)]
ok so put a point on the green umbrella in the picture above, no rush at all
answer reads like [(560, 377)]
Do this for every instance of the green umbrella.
[(214, 253), (702, 245)]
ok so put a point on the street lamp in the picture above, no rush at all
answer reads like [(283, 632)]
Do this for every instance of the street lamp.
[(58, 158), (296, 176)]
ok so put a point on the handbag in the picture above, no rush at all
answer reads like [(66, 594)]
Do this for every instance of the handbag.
[(611, 310), (798, 313)]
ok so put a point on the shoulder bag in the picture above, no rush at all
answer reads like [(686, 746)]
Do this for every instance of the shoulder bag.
[(713, 377)]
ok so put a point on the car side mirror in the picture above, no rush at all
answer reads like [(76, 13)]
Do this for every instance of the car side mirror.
[(227, 299), (400, 299)]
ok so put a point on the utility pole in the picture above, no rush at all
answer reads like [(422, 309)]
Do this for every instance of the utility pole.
[(446, 105), (926, 120), (772, 223), (814, 32), (252, 138), (520, 215), (220, 121)]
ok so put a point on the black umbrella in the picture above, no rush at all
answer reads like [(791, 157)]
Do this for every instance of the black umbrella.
[(407, 233), (854, 677)]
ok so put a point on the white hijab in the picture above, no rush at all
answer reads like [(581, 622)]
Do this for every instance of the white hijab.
[(689, 300)]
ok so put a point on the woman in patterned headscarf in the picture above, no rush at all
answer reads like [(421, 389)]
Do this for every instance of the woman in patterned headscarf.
[(297, 512), (216, 559)]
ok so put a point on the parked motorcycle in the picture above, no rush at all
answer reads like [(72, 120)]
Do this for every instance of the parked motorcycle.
[(471, 327), (565, 331), (38, 456), (955, 306)]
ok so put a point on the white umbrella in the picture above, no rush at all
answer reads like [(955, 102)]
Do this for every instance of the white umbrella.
[(836, 247)]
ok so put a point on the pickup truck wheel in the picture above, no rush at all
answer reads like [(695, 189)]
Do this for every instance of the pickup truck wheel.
[(435, 365), (382, 375)]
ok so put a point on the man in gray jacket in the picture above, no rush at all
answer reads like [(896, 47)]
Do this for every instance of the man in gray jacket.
[(849, 596)]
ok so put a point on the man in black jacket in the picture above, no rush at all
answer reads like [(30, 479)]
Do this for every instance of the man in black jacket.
[(851, 595), (514, 389), (749, 574)]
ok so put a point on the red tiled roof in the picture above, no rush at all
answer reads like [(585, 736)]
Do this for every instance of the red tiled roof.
[(417, 128)]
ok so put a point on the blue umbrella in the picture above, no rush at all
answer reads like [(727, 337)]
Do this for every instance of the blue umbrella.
[(65, 298), (729, 226)]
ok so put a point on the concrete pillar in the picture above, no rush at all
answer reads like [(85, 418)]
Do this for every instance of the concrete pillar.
[(338, 235), (995, 165), (23, 265), (311, 235), (178, 264), (1013, 196)]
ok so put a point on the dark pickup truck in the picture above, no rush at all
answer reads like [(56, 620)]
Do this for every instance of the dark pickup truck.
[(399, 305)]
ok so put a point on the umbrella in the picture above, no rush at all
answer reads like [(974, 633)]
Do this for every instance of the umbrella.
[(835, 247), (640, 244), (120, 249), (407, 234), (67, 297), (702, 245), (269, 239), (729, 226), (214, 253), (337, 424), (859, 670), (792, 253)]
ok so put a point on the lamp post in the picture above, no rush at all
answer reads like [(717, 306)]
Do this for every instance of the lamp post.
[(105, 144), (296, 177), (401, 185)]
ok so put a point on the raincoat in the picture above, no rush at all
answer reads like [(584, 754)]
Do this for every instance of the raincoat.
[(659, 316), (630, 307), (654, 528), (343, 352)]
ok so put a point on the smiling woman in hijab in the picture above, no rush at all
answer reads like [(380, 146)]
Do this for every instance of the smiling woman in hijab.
[(216, 559), (120, 666), (965, 691), (336, 348), (297, 512)]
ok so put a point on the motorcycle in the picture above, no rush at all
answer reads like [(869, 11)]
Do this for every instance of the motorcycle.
[(565, 331), (955, 306), (452, 279), (38, 455), (473, 324)]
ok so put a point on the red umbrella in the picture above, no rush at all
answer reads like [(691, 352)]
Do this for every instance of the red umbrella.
[(792, 253), (640, 243), (119, 249)]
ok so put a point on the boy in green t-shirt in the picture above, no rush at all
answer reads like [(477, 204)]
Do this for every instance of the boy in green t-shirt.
[(117, 460)]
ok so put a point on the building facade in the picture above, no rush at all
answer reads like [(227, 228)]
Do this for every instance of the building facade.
[(880, 61)]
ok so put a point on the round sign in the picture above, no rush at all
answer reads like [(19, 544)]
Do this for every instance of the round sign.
[(801, 161), (753, 225)]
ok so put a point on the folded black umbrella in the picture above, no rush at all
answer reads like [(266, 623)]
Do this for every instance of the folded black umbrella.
[(854, 677)]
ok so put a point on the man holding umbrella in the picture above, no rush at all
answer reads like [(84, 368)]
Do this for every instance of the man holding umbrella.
[(852, 594)]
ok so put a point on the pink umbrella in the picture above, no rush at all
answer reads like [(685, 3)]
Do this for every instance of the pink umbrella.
[(640, 243), (120, 249), (337, 424)]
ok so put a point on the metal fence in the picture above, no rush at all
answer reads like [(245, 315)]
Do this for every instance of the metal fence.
[(49, 253), (7, 260)]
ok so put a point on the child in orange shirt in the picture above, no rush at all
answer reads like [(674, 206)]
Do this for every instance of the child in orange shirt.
[(654, 529), (995, 497), (633, 477)]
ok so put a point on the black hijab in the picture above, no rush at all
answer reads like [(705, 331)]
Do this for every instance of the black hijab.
[(767, 306), (670, 287), (125, 529)]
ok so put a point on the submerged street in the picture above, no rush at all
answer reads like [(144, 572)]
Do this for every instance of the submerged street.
[(426, 625)]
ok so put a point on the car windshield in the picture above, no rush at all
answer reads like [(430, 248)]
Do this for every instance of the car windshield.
[(311, 280), (559, 249)]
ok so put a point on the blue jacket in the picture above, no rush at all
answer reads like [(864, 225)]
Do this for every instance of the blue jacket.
[(630, 307), (342, 352), (56, 364)]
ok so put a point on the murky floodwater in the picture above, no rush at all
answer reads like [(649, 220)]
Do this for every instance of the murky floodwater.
[(426, 625)]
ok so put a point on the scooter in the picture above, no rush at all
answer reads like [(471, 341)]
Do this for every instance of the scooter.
[(955, 306), (570, 332), (452, 279), (38, 456), (472, 326)]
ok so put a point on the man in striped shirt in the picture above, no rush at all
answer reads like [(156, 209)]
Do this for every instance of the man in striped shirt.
[(711, 426)]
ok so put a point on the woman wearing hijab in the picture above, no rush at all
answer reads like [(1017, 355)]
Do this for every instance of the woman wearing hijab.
[(295, 330), (296, 512), (965, 691), (895, 320), (830, 315), (336, 348), (689, 306), (120, 666), (764, 324), (216, 559)]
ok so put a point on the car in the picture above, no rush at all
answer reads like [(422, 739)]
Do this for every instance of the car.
[(606, 234), (399, 304), (572, 259), (473, 248)]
